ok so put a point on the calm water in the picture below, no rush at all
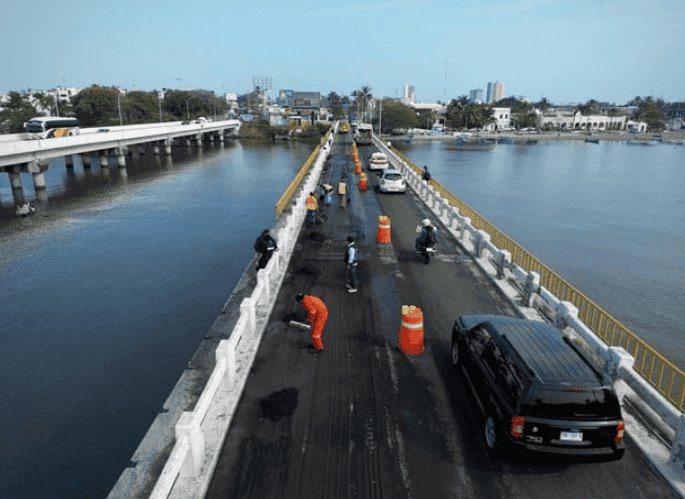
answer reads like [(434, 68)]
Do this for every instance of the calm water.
[(106, 293), (608, 217)]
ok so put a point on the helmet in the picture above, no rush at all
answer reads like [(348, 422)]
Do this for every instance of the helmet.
[(425, 222)]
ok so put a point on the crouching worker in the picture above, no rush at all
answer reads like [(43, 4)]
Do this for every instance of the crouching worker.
[(317, 316), (265, 245)]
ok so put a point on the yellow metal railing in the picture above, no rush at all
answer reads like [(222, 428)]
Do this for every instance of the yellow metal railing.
[(287, 195), (660, 372)]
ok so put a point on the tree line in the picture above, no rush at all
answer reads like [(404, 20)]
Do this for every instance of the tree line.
[(108, 106)]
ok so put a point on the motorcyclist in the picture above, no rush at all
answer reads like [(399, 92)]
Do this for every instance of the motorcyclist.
[(428, 235)]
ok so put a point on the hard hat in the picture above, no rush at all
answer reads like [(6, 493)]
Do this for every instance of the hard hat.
[(425, 222)]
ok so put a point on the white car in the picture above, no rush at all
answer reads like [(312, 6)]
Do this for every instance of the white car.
[(391, 180), (378, 161)]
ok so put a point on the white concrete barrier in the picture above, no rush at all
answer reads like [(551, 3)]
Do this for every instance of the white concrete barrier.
[(525, 292), (200, 433)]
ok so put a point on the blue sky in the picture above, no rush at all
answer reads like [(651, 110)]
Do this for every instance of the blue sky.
[(567, 51)]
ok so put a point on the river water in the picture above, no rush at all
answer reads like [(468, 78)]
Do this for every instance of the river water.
[(106, 292)]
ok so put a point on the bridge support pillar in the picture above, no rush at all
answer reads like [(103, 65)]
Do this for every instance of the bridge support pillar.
[(220, 135), (211, 138), (167, 147), (87, 160), (188, 143), (37, 170), (155, 149), (198, 138), (69, 161), (121, 158), (104, 159), (17, 188)]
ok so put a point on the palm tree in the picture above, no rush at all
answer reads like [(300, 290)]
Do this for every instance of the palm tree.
[(362, 98)]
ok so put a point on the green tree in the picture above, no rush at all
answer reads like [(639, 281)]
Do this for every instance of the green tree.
[(141, 107), (98, 105), (335, 104), (16, 112), (651, 112), (362, 97), (397, 115)]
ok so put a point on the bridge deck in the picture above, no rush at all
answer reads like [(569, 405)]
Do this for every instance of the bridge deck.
[(361, 419)]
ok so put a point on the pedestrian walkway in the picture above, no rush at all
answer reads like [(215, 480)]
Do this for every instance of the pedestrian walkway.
[(361, 419)]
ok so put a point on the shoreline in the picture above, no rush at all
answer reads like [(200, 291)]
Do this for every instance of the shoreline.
[(666, 137)]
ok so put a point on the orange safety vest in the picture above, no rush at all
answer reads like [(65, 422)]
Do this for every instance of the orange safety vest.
[(312, 203)]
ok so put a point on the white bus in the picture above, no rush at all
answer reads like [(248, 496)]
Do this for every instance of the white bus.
[(364, 134), (47, 127)]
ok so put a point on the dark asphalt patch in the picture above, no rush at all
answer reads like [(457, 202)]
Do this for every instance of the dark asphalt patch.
[(316, 236), (307, 270), (279, 404)]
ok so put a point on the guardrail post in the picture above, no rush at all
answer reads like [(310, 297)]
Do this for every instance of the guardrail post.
[(531, 286), (502, 261), (263, 278), (466, 221), (189, 427), (564, 310), (678, 446), (618, 358), (247, 307), (482, 239), (225, 351)]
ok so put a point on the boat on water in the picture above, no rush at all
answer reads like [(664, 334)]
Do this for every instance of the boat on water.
[(642, 142), (505, 140), (592, 140), (474, 144)]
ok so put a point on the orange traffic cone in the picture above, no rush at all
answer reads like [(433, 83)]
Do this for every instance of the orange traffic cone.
[(363, 183), (411, 330), (383, 232)]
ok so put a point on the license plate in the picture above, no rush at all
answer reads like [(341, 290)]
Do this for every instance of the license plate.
[(572, 436)]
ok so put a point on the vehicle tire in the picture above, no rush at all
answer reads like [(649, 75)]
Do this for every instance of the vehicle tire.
[(456, 359), (491, 434), (618, 454)]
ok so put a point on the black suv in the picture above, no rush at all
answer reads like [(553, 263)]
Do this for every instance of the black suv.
[(536, 389)]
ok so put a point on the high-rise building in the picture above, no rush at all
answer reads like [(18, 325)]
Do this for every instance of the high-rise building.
[(496, 91), (476, 95), (409, 97)]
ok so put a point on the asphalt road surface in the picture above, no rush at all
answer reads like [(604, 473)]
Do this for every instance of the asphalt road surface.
[(362, 419)]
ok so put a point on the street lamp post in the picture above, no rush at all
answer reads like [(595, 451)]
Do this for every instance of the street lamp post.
[(160, 98), (188, 106), (121, 121)]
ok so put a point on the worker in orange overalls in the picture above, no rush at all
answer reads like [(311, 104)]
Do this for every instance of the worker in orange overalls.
[(317, 316), (312, 205)]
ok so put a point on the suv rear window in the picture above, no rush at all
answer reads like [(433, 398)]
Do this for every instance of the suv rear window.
[(572, 403)]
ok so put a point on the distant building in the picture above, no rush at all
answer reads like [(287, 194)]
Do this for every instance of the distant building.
[(496, 91), (502, 117), (409, 96), (572, 119), (285, 98), (476, 95), (231, 102)]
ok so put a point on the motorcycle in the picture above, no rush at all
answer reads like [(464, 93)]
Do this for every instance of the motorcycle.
[(426, 252)]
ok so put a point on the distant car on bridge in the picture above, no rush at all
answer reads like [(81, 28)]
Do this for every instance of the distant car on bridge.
[(535, 388)]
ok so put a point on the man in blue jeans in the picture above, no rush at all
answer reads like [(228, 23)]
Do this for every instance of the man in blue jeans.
[(351, 262)]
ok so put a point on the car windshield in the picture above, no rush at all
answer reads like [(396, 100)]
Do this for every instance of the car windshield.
[(392, 176), (573, 403)]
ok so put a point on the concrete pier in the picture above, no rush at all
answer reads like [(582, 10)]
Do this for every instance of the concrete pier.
[(121, 157), (17, 188), (104, 159)]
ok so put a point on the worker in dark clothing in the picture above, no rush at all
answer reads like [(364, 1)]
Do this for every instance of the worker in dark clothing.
[(425, 175), (265, 245), (317, 316), (351, 260)]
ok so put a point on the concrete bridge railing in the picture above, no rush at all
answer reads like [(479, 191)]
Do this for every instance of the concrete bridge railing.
[(526, 292), (200, 433)]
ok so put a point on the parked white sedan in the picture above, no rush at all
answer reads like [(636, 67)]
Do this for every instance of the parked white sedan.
[(391, 180)]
